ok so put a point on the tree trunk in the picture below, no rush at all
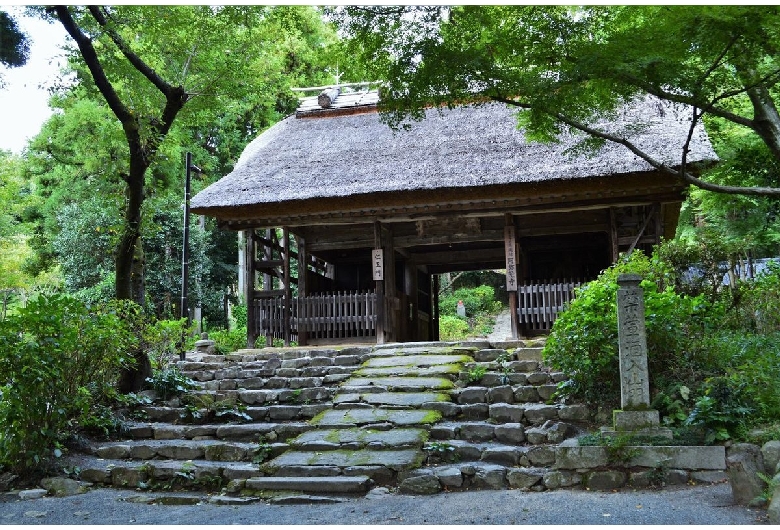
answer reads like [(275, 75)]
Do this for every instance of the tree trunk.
[(766, 118), (129, 268)]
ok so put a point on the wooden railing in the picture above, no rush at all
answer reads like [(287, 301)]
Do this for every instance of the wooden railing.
[(340, 315), (336, 315), (540, 303)]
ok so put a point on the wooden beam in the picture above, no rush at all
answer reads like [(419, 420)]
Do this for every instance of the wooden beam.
[(650, 214)]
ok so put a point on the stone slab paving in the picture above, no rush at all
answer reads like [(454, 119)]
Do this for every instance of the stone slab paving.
[(401, 384), (416, 360), (401, 399), (394, 459), (364, 437), (411, 371), (358, 417)]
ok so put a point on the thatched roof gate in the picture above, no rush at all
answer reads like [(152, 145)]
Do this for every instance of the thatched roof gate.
[(453, 192)]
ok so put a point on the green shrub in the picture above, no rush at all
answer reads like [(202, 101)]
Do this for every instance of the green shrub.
[(239, 315), (452, 328), (59, 359), (228, 341), (584, 340), (165, 339), (477, 300), (170, 382)]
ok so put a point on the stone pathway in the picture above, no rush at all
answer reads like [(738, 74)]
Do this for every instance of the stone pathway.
[(316, 424)]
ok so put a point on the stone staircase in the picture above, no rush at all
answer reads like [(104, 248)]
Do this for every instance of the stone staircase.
[(322, 423)]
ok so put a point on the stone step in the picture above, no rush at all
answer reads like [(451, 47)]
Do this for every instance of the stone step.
[(503, 393), (277, 376), (459, 451), (398, 399), (551, 431), (432, 348), (380, 419), (393, 459), (211, 450), (325, 485), (417, 360), (482, 476), (248, 414), (400, 384), (197, 474), (247, 432), (354, 439)]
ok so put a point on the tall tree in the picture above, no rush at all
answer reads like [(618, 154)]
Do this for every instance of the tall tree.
[(148, 62), (174, 79), (566, 67), (14, 44)]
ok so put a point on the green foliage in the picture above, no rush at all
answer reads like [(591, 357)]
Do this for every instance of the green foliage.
[(567, 67), (170, 382), (164, 340), (475, 374), (452, 328), (440, 452), (228, 341), (59, 359), (480, 305), (713, 368), (477, 300), (722, 411), (583, 341)]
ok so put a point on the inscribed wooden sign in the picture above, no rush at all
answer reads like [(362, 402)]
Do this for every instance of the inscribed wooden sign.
[(511, 265), (378, 264)]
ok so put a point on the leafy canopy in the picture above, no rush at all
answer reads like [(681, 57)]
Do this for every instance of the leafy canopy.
[(569, 66)]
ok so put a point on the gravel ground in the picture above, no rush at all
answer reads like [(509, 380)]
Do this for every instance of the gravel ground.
[(699, 505)]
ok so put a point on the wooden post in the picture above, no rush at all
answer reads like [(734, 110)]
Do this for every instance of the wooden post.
[(287, 291), (435, 308), (249, 288), (391, 295), (409, 316), (613, 236), (268, 285), (510, 251), (303, 290), (380, 288)]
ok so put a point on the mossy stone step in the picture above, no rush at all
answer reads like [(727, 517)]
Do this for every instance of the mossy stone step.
[(356, 438), (417, 360), (359, 417), (400, 384), (396, 459), (401, 350), (441, 370), (399, 399)]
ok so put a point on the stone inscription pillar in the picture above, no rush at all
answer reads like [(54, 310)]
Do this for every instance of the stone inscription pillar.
[(634, 377), (636, 415)]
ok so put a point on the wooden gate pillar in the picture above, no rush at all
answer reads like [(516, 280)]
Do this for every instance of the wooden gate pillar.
[(249, 287), (510, 251), (303, 289), (377, 265)]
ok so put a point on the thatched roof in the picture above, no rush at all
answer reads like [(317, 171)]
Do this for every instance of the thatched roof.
[(338, 155)]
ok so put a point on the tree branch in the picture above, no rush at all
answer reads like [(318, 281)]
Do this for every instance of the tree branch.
[(93, 63), (136, 61), (681, 173)]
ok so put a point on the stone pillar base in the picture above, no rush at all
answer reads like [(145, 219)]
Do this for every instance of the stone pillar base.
[(636, 423)]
